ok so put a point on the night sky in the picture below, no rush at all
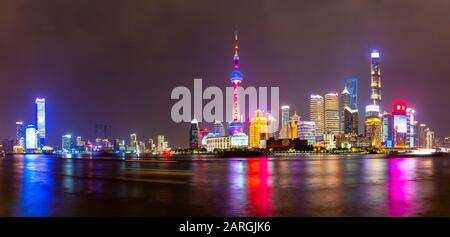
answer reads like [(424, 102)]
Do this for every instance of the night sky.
[(117, 62)]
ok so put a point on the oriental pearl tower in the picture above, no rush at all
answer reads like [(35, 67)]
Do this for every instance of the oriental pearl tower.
[(236, 77)]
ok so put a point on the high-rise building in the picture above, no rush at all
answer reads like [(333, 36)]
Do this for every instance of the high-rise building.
[(316, 113), (295, 118), (40, 121), (19, 134), (388, 128), (161, 143), (429, 138), (345, 103), (411, 127), (375, 69), (66, 143), (31, 142), (306, 130), (400, 125), (258, 129), (373, 125), (350, 123), (236, 77), (422, 135), (194, 135), (151, 145), (134, 144), (352, 87), (285, 126), (332, 113)]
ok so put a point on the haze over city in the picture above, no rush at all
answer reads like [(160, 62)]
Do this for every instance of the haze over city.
[(116, 62)]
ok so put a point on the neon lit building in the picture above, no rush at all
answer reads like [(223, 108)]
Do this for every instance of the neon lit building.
[(400, 125), (375, 97), (31, 143), (316, 113), (40, 121), (236, 77), (345, 103)]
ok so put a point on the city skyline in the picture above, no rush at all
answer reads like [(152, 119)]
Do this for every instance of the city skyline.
[(85, 85)]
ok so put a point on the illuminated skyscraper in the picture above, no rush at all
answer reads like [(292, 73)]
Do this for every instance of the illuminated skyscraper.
[(316, 113), (352, 88), (236, 77), (375, 97), (373, 125), (194, 135), (400, 125), (388, 128), (134, 144), (350, 121), (258, 129), (66, 143), (411, 127), (40, 121), (332, 113), (429, 138), (422, 130), (19, 134), (162, 144), (31, 138), (285, 130), (345, 103)]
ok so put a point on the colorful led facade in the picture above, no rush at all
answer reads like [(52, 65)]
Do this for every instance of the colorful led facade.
[(40, 121), (400, 125), (352, 88)]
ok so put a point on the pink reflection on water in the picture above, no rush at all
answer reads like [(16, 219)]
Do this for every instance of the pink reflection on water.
[(259, 193), (402, 190)]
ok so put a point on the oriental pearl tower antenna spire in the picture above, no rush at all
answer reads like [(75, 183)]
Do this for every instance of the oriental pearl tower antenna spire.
[(236, 78)]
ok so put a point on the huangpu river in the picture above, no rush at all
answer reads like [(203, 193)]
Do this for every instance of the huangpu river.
[(341, 185)]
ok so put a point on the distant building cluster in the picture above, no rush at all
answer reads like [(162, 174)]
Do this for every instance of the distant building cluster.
[(333, 123)]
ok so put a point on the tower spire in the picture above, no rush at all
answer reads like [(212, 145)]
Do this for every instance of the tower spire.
[(236, 50)]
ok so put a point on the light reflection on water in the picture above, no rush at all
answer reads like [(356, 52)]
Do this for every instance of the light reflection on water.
[(233, 187)]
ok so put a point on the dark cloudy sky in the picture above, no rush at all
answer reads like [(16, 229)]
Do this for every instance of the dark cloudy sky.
[(116, 62)]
